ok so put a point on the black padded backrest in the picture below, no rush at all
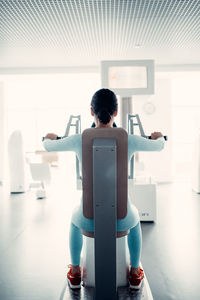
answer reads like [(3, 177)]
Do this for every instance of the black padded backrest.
[(121, 137)]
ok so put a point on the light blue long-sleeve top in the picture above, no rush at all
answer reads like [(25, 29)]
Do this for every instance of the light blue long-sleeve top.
[(135, 144)]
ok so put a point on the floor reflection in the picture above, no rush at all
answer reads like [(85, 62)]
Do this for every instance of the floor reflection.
[(86, 293)]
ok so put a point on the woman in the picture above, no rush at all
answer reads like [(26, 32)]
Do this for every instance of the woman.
[(104, 109)]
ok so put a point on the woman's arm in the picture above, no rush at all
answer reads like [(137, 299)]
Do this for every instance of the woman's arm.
[(138, 143), (51, 143)]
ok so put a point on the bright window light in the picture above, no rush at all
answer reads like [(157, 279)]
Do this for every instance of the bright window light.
[(41, 103)]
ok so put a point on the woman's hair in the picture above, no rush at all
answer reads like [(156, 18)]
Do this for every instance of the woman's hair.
[(104, 104)]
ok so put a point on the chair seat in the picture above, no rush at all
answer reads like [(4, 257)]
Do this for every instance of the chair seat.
[(91, 234)]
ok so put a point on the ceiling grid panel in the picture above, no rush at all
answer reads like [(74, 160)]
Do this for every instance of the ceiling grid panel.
[(116, 24), (137, 38), (67, 38), (79, 25), (51, 19), (148, 25), (139, 5), (186, 22), (127, 33), (144, 25), (113, 17), (68, 25), (196, 36), (95, 5), (5, 33), (175, 20), (22, 24), (162, 37), (11, 24), (189, 19), (138, 35), (130, 44), (89, 27), (36, 30), (40, 20), (60, 24), (89, 24), (110, 28), (120, 32), (152, 27), (83, 32), (109, 10), (102, 27), (96, 27), (126, 19), (32, 31), (70, 28), (161, 16), (105, 22)]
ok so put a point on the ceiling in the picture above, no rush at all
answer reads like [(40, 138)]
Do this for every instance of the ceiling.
[(61, 33)]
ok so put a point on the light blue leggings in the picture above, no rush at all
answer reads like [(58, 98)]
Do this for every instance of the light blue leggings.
[(134, 244)]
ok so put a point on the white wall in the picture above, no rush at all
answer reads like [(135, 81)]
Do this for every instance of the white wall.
[(158, 164), (41, 103), (2, 133), (185, 120)]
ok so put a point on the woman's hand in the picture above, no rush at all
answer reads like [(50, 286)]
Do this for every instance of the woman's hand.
[(156, 135), (51, 136)]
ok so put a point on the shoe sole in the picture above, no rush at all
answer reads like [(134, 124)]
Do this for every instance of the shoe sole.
[(73, 286), (136, 287)]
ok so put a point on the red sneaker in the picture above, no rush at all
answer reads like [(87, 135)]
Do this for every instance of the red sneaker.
[(74, 280), (135, 280)]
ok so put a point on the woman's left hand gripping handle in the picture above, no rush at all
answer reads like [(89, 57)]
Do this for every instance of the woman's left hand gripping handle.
[(51, 136)]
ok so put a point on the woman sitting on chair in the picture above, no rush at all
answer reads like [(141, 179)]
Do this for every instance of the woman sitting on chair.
[(104, 109)]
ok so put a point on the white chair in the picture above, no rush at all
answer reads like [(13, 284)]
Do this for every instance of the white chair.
[(40, 173)]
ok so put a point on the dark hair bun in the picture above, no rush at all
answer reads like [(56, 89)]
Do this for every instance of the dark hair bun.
[(104, 116)]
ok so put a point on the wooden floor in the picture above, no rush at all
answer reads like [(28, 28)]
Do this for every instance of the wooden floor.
[(34, 249)]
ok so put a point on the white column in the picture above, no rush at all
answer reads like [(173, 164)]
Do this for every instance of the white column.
[(2, 133), (125, 109)]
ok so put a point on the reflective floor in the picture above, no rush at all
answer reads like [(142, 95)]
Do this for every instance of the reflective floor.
[(87, 294), (34, 249)]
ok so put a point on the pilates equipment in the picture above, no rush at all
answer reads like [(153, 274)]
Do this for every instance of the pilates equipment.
[(142, 191), (133, 121), (105, 195), (103, 167), (75, 122)]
